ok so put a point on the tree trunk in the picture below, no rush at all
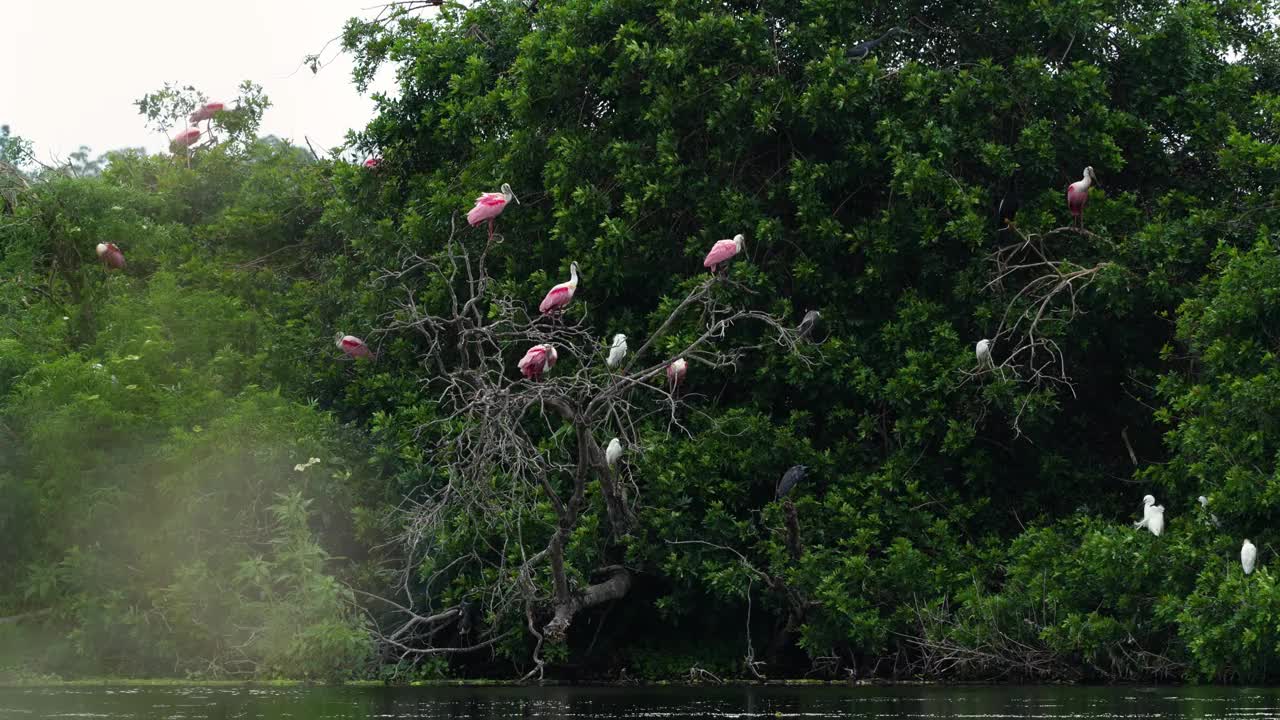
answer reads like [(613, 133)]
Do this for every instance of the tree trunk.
[(794, 545), (24, 616), (617, 586)]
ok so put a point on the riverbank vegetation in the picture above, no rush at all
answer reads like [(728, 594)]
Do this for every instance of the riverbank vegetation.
[(195, 482)]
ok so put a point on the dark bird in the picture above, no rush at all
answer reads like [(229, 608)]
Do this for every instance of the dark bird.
[(806, 325), (790, 479), (1007, 207), (864, 48)]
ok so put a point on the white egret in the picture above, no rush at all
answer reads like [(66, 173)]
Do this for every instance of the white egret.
[(614, 452), (1204, 503), (1248, 556), (983, 352), (1152, 516), (617, 351)]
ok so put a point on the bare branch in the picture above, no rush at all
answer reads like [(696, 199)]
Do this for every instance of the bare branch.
[(1036, 313), (513, 460)]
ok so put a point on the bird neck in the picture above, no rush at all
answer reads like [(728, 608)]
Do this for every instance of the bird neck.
[(1085, 183), (573, 276)]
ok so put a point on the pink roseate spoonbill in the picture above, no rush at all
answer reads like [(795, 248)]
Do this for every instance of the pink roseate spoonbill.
[(489, 206), (207, 111), (1078, 197), (559, 297), (676, 372), (722, 252), (373, 163), (185, 139), (110, 256), (353, 346), (538, 360)]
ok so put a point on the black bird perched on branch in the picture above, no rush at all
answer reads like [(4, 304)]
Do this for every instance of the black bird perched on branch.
[(790, 479), (864, 48), (1008, 205)]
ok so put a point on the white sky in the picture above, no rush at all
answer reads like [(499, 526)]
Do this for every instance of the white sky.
[(71, 69)]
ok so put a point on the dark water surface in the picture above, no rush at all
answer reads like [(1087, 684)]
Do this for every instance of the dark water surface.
[(810, 703)]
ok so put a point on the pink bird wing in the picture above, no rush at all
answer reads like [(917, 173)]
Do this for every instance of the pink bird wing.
[(488, 206), (206, 111), (557, 298), (676, 370), (1076, 199), (356, 347), (534, 362), (721, 251), (533, 359), (186, 137)]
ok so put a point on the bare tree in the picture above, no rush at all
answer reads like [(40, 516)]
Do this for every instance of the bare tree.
[(518, 464), (1043, 296)]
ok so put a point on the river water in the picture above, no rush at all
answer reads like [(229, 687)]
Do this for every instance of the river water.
[(730, 703)]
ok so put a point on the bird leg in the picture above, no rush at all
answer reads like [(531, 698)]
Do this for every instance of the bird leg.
[(490, 229)]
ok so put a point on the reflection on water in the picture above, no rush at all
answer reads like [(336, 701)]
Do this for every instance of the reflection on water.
[(896, 703)]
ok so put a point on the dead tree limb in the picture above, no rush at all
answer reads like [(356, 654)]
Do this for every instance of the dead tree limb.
[(1041, 299), (516, 463)]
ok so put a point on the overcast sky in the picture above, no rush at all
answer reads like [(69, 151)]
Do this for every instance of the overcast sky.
[(71, 69)]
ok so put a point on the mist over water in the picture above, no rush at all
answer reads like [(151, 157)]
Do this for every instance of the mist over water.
[(890, 703)]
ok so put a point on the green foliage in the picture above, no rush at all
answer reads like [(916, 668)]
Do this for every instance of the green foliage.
[(152, 418), (177, 535), (14, 149), (167, 111)]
